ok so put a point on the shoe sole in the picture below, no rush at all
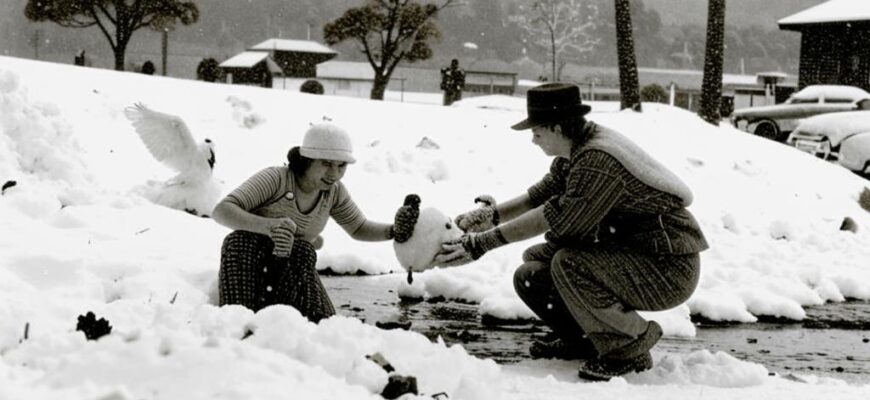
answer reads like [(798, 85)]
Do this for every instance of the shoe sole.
[(640, 366)]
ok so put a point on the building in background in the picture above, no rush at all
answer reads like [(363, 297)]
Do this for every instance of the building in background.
[(255, 68), (834, 37), (298, 59), (352, 78), (277, 63)]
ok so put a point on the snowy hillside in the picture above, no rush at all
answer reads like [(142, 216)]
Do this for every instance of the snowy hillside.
[(78, 235)]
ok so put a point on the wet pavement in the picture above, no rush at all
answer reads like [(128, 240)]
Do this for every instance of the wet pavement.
[(833, 341)]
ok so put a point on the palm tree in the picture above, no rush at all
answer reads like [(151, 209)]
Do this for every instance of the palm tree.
[(711, 92), (628, 81)]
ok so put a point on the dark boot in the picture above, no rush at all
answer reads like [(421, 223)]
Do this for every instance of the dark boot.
[(563, 350), (602, 369), (633, 357)]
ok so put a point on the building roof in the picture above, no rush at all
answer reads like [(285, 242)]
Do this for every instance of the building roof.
[(682, 78), (829, 12), (689, 79), (245, 59), (248, 59), (297, 46)]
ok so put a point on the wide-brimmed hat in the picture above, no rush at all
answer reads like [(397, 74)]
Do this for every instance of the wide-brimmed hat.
[(551, 103), (327, 142)]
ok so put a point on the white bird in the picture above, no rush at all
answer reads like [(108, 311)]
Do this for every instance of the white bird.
[(170, 141)]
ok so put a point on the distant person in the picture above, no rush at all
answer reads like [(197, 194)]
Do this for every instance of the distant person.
[(80, 59), (148, 68), (452, 82), (277, 217), (618, 239)]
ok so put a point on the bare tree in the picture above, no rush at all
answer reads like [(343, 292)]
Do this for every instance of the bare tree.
[(388, 32), (711, 92), (564, 27), (629, 90), (124, 16)]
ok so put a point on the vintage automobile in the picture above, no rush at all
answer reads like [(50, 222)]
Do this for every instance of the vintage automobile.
[(776, 121), (841, 137)]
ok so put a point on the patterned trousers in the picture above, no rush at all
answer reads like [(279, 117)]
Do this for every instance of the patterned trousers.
[(593, 293), (252, 276)]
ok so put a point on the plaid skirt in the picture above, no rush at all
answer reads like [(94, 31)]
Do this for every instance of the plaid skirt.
[(252, 276)]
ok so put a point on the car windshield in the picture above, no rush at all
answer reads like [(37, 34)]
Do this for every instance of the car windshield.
[(837, 100), (803, 100)]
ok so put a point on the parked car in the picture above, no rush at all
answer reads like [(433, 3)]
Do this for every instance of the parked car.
[(842, 137), (776, 121)]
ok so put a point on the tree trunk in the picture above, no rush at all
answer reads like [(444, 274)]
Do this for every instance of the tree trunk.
[(380, 86), (120, 52), (553, 52), (628, 81), (164, 48), (711, 92)]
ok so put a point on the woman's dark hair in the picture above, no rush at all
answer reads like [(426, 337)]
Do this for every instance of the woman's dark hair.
[(573, 128), (298, 163)]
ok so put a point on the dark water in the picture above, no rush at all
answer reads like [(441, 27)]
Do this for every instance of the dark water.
[(834, 340)]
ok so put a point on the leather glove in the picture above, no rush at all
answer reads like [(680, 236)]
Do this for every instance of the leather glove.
[(406, 218), (482, 219), (282, 235), (469, 247)]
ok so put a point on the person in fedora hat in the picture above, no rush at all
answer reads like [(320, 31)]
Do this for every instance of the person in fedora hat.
[(617, 239), (277, 216)]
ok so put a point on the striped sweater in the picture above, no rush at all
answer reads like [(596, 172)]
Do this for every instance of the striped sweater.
[(269, 193), (594, 198)]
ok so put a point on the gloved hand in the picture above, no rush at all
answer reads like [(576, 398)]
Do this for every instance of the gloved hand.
[(406, 218), (482, 219), (469, 247), (282, 235)]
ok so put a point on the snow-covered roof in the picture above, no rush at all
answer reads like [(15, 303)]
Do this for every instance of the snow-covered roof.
[(299, 46), (245, 59), (248, 59), (831, 11), (830, 92)]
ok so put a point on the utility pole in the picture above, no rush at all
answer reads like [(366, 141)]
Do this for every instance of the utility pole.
[(164, 47), (36, 40)]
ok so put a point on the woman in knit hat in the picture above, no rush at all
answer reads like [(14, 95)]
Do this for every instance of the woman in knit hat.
[(277, 216), (618, 238)]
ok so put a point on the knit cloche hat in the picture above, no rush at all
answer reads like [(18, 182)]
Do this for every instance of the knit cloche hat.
[(327, 142)]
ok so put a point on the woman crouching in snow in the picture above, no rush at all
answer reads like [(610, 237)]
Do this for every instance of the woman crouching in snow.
[(277, 216), (618, 239)]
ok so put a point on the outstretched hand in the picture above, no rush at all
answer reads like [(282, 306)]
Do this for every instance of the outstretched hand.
[(282, 234), (453, 253), (481, 219), (469, 247), (405, 219)]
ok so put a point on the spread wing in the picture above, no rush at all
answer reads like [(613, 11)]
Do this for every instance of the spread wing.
[(166, 137)]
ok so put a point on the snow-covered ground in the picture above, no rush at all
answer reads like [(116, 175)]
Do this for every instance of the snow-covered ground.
[(76, 235)]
